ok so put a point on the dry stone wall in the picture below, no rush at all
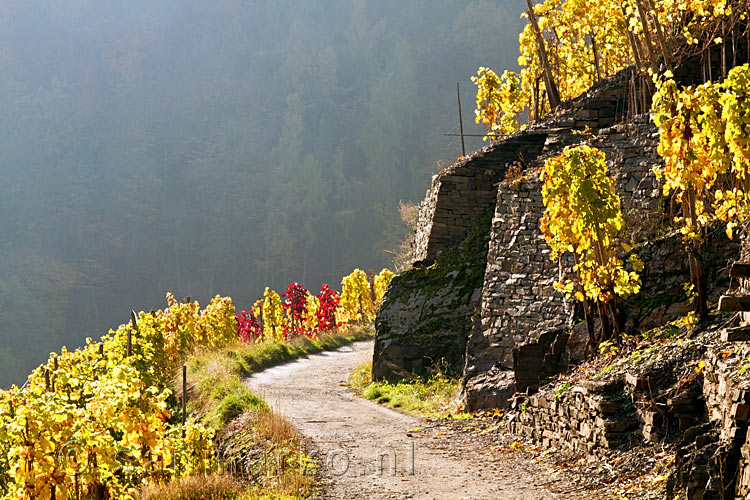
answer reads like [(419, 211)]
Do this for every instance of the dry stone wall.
[(427, 311), (465, 190), (706, 415), (458, 196), (586, 419), (518, 301), (517, 330), (522, 316)]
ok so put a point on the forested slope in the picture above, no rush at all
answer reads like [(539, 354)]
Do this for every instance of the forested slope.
[(211, 148)]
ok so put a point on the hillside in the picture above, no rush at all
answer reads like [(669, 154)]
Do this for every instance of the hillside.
[(569, 319), (595, 339)]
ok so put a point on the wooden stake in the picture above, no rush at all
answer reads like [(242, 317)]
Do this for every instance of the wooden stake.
[(660, 35), (633, 41), (473, 135), (536, 99), (460, 120), (723, 50), (46, 380), (552, 93), (647, 34), (134, 320), (184, 398), (129, 349), (596, 58)]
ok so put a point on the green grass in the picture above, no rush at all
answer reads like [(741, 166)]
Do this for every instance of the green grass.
[(216, 390), (217, 394), (430, 397)]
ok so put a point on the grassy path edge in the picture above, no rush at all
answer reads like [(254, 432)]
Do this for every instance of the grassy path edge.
[(219, 398)]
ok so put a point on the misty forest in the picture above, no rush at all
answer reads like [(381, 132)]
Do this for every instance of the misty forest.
[(205, 148), (375, 250)]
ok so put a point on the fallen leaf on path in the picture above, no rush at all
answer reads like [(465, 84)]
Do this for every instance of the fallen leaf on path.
[(515, 445)]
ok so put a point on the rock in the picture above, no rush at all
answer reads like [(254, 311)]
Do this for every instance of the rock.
[(599, 386), (494, 390), (638, 383)]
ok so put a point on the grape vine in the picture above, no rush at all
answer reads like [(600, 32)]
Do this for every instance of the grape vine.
[(703, 134), (582, 215), (585, 41)]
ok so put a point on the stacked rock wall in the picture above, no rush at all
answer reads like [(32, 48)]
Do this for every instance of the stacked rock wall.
[(522, 316), (518, 301), (517, 322), (588, 418), (465, 190), (457, 197), (427, 311)]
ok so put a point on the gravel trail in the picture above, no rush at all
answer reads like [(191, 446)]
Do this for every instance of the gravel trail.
[(357, 441)]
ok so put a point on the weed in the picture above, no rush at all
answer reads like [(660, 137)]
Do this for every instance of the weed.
[(561, 389), (608, 349), (423, 396), (194, 488), (216, 391)]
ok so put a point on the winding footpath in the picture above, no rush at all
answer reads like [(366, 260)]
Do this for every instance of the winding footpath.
[(358, 442)]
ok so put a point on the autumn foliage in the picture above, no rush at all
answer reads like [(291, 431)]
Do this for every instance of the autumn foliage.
[(703, 138), (299, 312), (97, 422), (582, 216)]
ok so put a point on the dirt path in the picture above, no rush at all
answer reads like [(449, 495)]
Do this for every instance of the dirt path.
[(358, 441)]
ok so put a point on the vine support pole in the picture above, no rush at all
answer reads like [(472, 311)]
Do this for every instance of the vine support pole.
[(184, 399), (596, 57), (695, 260), (647, 34), (553, 94), (660, 35), (460, 120)]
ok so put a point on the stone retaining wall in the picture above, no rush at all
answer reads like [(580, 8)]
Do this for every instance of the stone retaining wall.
[(519, 303), (427, 311), (465, 190), (585, 419)]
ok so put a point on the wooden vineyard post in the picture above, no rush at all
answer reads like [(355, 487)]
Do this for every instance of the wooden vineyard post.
[(553, 94), (134, 325), (184, 399), (460, 120), (660, 35), (596, 58), (647, 34)]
